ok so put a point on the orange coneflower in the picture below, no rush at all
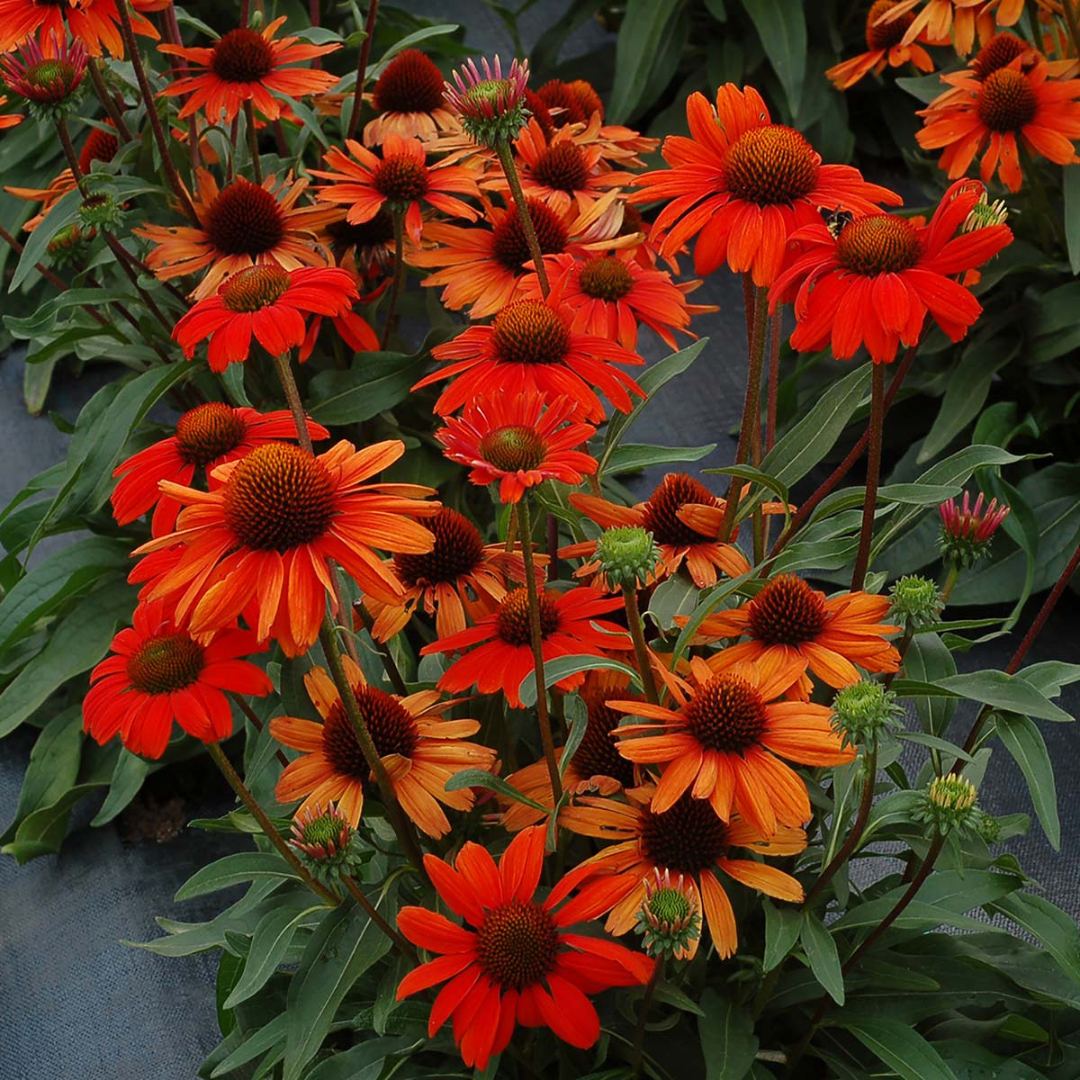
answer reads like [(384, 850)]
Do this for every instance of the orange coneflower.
[(240, 225), (420, 750), (159, 674), (996, 114), (408, 96), (530, 348), (401, 178), (662, 514), (789, 620), (95, 23), (724, 739), (884, 46), (570, 102), (269, 303), (503, 657), (519, 442), (876, 282), (460, 576), (207, 436), (262, 541), (520, 965), (686, 839), (247, 65), (743, 184), (959, 19)]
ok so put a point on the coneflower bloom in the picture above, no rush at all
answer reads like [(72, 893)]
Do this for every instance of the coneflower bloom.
[(420, 750), (959, 20), (884, 47), (159, 673), (995, 115), (966, 530), (519, 963), (261, 542), (530, 348), (95, 23), (518, 442), (247, 65), (401, 179), (408, 97), (743, 185), (48, 77), (502, 657), (490, 107), (876, 282), (687, 839), (662, 515), (240, 225), (207, 436), (461, 576), (268, 303), (788, 620), (724, 736), (570, 102)]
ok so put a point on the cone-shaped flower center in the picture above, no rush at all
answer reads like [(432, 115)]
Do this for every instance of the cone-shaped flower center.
[(562, 167), (1007, 101), (411, 83), (726, 714), (392, 730), (99, 146), (879, 244), (606, 278), (207, 432), (598, 755), (401, 179), (669, 906), (459, 548), (770, 165), (327, 831), (662, 509), (530, 332), (254, 288), (49, 80), (686, 839), (242, 56), (1000, 51), (887, 34), (557, 94), (786, 612), (278, 498), (509, 245), (512, 618), (513, 448), (165, 663), (587, 98), (517, 944), (244, 219)]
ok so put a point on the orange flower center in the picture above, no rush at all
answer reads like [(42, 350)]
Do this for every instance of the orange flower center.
[(606, 278), (556, 94), (879, 244), (254, 288), (887, 34), (1006, 101), (787, 612), (509, 245), (686, 839), (165, 663), (530, 332), (374, 233), (632, 221), (562, 167), (512, 619), (662, 510), (401, 179), (587, 98), (459, 549), (726, 715), (1000, 51), (517, 944), (99, 146), (597, 754), (278, 498), (391, 726), (242, 56), (244, 219), (411, 83), (207, 432), (540, 113), (512, 448), (770, 165)]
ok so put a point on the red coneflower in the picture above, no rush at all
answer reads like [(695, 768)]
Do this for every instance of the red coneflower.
[(206, 436), (519, 965), (95, 23), (743, 185), (503, 657), (48, 78), (490, 107), (575, 101), (247, 65), (519, 442), (966, 530), (876, 281), (884, 46), (408, 96), (159, 673)]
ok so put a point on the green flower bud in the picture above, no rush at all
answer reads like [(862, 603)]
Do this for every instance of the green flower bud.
[(985, 213), (67, 246), (326, 843), (863, 710), (627, 555), (668, 919), (101, 211), (949, 804), (916, 600)]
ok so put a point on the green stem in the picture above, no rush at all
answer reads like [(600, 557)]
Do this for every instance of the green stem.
[(373, 913), (873, 474), (643, 1016), (296, 406), (361, 68), (399, 276), (107, 101), (506, 159), (641, 650), (951, 577), (253, 142)]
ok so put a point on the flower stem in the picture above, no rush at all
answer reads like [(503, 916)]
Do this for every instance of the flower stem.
[(776, 329), (643, 1016), (641, 650), (253, 142), (296, 406), (267, 826), (361, 68), (536, 640), (107, 101), (506, 159), (255, 722), (399, 276), (373, 913), (873, 474)]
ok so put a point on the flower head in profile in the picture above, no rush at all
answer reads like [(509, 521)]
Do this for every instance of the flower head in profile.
[(491, 107), (688, 839), (267, 303), (517, 961), (247, 65), (742, 185), (519, 442), (884, 47), (260, 543), (158, 673), (967, 531), (408, 97), (207, 436), (875, 281), (420, 749), (499, 655), (49, 80), (94, 23)]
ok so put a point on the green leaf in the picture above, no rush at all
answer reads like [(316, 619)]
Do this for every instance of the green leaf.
[(924, 87), (1025, 742), (782, 926), (269, 944), (266, 1038), (63, 213), (230, 968), (822, 956), (363, 1062), (643, 26), (993, 688), (1056, 930), (577, 716), (128, 775), (900, 1046), (1070, 186), (1050, 676), (562, 667), (467, 778), (234, 870), (727, 1038), (782, 29), (43, 831), (37, 378), (374, 383), (633, 456)]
